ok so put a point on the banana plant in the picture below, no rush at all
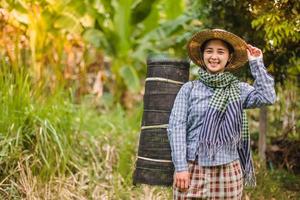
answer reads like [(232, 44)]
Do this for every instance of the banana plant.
[(124, 30), (128, 30)]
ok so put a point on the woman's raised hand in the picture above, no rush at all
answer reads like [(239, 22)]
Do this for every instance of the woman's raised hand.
[(253, 52)]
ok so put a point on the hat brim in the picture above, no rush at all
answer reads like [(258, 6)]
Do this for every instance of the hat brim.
[(239, 45)]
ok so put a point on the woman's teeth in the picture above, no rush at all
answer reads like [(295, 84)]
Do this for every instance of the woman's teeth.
[(214, 63)]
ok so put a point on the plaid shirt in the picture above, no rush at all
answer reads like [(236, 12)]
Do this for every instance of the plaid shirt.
[(189, 109)]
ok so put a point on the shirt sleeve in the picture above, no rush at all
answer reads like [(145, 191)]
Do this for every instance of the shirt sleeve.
[(177, 128), (262, 92)]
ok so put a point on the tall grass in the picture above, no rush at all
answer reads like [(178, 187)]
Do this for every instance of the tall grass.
[(33, 125), (52, 148)]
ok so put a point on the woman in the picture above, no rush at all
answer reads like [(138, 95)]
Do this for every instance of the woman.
[(208, 129)]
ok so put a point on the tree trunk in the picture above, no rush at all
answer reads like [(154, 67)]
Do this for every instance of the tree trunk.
[(262, 133)]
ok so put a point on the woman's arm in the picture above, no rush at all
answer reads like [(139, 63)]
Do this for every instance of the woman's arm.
[(177, 128), (262, 92), (177, 136)]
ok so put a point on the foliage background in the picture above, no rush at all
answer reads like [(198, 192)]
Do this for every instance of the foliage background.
[(72, 78)]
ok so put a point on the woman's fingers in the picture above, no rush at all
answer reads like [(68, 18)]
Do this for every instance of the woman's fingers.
[(187, 183), (253, 52), (182, 184), (250, 48), (258, 52)]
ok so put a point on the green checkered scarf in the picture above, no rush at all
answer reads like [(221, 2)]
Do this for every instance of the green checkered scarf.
[(226, 121)]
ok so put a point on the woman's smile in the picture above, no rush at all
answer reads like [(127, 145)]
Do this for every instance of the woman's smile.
[(213, 63)]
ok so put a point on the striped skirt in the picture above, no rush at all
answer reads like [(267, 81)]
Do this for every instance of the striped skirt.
[(216, 182)]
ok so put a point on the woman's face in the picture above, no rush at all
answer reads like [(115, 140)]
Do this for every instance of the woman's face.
[(215, 56)]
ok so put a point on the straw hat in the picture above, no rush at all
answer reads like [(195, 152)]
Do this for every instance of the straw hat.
[(239, 45)]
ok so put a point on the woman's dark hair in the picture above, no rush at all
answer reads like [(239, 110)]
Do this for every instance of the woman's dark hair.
[(229, 46)]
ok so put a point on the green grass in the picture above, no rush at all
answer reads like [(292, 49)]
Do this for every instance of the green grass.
[(46, 136), (274, 184), (34, 126)]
